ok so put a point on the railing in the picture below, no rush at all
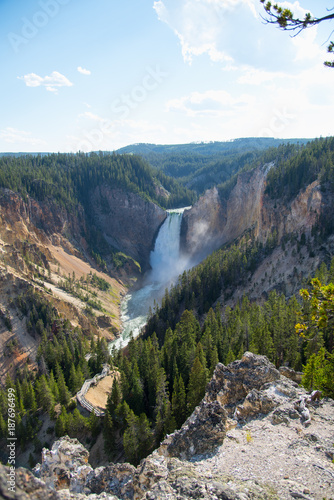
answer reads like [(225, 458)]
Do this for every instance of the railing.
[(86, 386)]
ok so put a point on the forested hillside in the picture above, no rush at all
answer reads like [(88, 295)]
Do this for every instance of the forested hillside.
[(200, 166), (161, 380), (67, 178), (73, 184), (244, 296), (231, 266), (294, 172)]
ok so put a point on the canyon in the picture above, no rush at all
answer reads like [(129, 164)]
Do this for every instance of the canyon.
[(63, 253), (37, 235)]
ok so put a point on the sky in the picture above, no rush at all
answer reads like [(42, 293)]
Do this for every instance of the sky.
[(84, 75)]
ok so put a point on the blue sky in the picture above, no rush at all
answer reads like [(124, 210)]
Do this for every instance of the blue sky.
[(98, 75)]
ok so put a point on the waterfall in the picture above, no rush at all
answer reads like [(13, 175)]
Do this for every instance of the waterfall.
[(164, 259), (165, 266)]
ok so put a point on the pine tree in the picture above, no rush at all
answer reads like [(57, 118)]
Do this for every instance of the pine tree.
[(213, 360), (44, 395), (162, 407), (9, 384), (179, 401), (145, 436), (29, 396), (3, 427), (73, 382), (261, 339), (19, 398), (64, 394), (108, 433), (196, 386), (135, 398), (319, 372), (94, 424), (61, 423), (230, 357), (53, 386), (76, 423), (114, 398), (80, 378), (131, 438)]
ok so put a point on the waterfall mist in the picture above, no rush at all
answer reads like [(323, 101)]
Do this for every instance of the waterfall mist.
[(166, 265), (165, 258)]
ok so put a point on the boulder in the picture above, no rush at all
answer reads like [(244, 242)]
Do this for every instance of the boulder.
[(65, 466), (231, 384), (115, 479), (201, 433), (291, 374)]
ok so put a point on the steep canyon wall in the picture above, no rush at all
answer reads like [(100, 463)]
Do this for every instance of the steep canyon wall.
[(128, 222), (214, 221)]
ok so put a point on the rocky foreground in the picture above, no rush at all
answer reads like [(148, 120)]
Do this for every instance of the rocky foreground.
[(255, 435)]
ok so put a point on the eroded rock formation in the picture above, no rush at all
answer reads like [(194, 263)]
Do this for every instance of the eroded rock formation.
[(214, 221), (246, 440), (127, 222)]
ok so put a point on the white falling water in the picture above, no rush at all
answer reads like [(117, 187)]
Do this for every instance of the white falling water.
[(164, 259), (166, 266)]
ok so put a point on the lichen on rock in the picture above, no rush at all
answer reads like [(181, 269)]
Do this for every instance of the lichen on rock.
[(202, 432), (245, 441)]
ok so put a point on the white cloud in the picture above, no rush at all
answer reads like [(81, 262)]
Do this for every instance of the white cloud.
[(84, 71), (104, 134), (210, 102), (51, 83), (254, 76), (14, 136), (200, 25), (51, 89), (306, 46), (232, 32), (91, 116)]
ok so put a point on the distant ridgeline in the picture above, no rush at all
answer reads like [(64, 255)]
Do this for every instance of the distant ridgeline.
[(67, 178), (203, 165)]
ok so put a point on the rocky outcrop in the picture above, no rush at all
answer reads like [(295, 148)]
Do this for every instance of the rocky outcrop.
[(214, 221), (25, 486), (247, 440), (128, 222), (203, 431), (65, 466), (299, 216), (291, 374), (232, 383)]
